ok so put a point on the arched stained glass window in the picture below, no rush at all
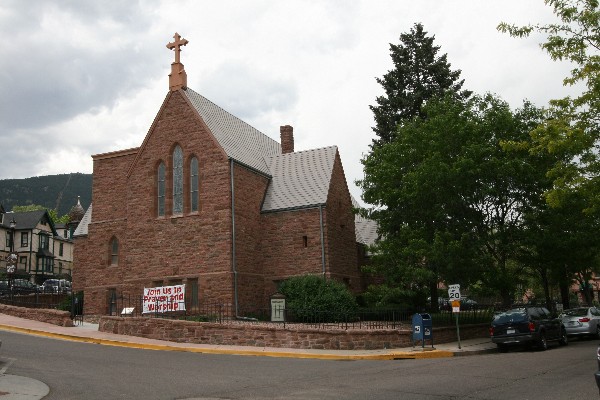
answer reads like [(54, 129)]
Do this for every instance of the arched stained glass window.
[(161, 189), (194, 184), (177, 180)]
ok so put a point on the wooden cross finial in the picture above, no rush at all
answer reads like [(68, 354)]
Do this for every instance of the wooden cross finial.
[(176, 45)]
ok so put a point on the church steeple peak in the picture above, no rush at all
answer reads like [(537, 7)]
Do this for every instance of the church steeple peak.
[(177, 77)]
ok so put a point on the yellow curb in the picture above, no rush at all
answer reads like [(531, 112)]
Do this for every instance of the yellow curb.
[(282, 354)]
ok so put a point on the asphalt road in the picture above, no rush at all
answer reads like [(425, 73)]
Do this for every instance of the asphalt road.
[(89, 371)]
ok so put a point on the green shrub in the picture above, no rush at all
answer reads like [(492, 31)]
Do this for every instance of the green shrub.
[(312, 297)]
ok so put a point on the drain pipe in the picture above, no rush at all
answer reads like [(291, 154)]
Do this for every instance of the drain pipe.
[(233, 262), (233, 255), (322, 241)]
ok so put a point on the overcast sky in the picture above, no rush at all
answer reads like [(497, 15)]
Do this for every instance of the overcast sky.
[(79, 78)]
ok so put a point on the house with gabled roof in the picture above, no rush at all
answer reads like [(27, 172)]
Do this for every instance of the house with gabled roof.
[(209, 202), (41, 251)]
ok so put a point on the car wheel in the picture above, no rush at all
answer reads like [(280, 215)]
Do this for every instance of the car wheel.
[(598, 331), (502, 348), (542, 342), (564, 340)]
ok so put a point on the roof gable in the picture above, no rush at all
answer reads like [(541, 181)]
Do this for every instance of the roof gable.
[(238, 139), (82, 227), (28, 220), (299, 179)]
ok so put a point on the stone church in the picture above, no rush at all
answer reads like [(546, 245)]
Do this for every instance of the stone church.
[(209, 202)]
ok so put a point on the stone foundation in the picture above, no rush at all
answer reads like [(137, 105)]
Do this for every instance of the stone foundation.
[(56, 317), (278, 335)]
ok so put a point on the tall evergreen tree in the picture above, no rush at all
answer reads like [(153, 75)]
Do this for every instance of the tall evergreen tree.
[(419, 74)]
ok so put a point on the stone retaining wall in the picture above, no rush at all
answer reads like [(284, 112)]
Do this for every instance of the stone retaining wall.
[(276, 335), (56, 317)]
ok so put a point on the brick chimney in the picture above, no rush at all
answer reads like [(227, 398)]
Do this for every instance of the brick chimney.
[(287, 139)]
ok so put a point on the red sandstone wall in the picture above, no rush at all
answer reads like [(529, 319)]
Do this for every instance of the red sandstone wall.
[(341, 236), (282, 243), (92, 253), (158, 250), (272, 335), (56, 317), (173, 248), (250, 189)]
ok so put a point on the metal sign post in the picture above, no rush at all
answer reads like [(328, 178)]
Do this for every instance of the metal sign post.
[(454, 295), (457, 329)]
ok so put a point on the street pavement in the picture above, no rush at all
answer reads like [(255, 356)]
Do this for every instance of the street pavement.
[(16, 388)]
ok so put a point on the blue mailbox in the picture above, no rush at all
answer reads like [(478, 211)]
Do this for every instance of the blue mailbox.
[(422, 329)]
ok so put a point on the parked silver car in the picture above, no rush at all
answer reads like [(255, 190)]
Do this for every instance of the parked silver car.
[(582, 321)]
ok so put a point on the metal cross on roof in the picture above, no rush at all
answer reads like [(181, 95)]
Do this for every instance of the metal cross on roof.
[(176, 45)]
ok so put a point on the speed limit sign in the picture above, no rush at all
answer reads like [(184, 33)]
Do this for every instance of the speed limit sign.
[(454, 292)]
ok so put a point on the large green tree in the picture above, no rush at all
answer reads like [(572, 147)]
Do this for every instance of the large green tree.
[(571, 131), (570, 134), (419, 74), (448, 198)]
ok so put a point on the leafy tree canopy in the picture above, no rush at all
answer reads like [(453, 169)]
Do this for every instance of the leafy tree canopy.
[(571, 130), (449, 198)]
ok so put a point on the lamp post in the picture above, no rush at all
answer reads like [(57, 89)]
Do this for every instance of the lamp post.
[(11, 260)]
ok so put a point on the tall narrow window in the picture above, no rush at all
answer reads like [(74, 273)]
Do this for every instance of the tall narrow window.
[(177, 180), (160, 183), (114, 252), (194, 184)]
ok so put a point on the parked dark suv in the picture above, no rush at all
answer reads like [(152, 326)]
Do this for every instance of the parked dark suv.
[(528, 325)]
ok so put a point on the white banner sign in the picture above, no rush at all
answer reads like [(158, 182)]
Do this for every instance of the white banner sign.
[(164, 299)]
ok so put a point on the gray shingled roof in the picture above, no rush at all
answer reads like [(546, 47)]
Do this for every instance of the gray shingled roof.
[(366, 229), (27, 220), (240, 141), (300, 179), (82, 227)]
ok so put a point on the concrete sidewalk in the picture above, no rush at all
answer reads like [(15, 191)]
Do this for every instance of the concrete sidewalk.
[(14, 387)]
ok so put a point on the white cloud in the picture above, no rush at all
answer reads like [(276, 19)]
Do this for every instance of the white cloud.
[(81, 78)]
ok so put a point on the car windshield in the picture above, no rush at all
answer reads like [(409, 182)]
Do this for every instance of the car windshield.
[(576, 312), (514, 315)]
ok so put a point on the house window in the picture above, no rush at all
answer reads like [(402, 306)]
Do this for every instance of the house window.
[(60, 249), (24, 239), (23, 260), (194, 184), (161, 189), (114, 252), (8, 236), (44, 242), (177, 180), (45, 264)]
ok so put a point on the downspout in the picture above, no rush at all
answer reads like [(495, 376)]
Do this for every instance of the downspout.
[(322, 241), (233, 263)]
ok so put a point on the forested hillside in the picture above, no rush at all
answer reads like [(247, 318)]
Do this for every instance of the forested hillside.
[(53, 191)]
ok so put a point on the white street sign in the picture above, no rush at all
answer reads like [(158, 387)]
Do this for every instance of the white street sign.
[(454, 292)]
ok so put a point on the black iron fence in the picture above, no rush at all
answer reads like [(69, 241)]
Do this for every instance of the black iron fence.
[(59, 301), (206, 311), (134, 306)]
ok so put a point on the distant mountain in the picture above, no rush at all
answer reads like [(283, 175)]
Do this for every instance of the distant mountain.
[(52, 191)]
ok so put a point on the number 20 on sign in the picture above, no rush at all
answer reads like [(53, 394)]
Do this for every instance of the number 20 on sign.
[(454, 292)]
